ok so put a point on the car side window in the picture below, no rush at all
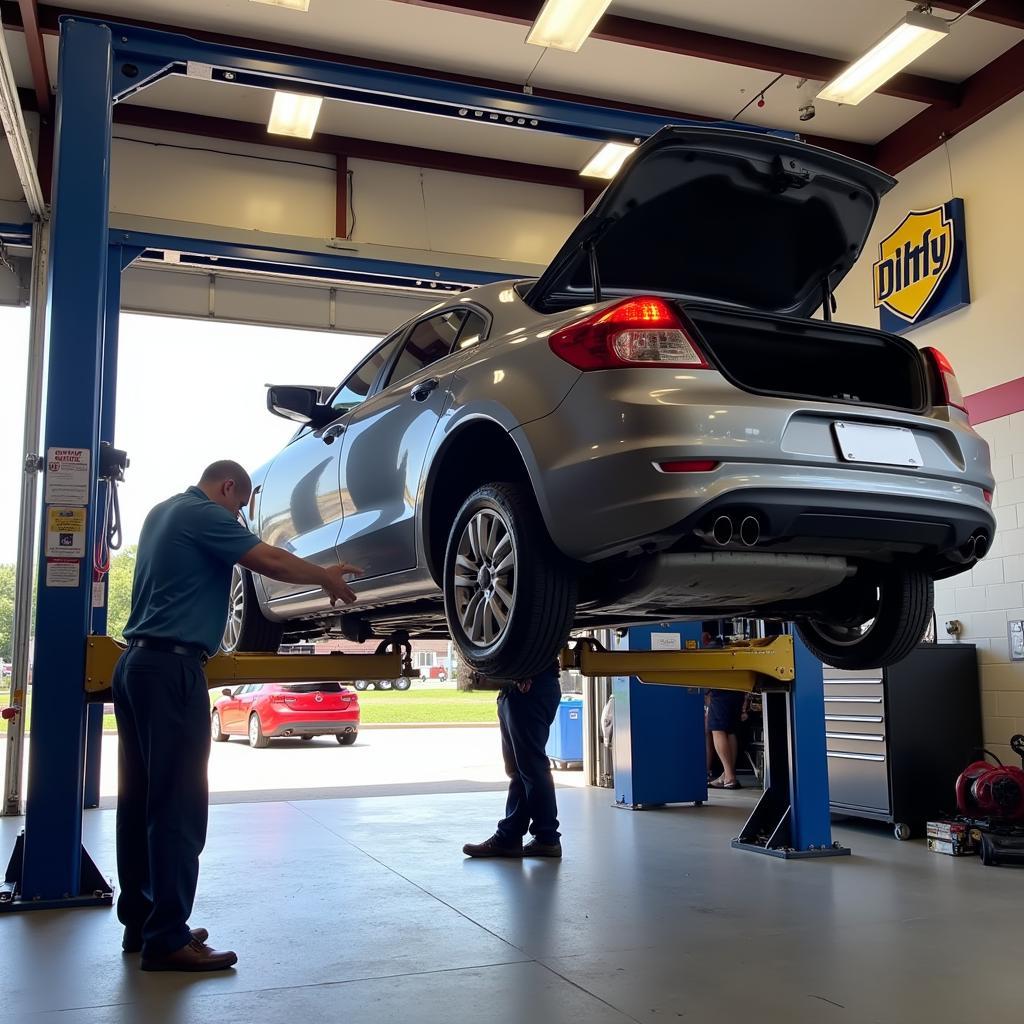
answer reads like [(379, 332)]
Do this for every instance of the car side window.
[(474, 330), (427, 342), (358, 383)]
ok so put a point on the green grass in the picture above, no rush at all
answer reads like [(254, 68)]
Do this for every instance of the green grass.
[(417, 707), (388, 707)]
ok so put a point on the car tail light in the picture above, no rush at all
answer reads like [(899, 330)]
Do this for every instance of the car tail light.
[(987, 495), (951, 392), (642, 331), (688, 466)]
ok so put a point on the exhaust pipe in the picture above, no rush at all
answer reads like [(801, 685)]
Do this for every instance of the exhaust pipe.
[(967, 552), (980, 543), (721, 531), (750, 531)]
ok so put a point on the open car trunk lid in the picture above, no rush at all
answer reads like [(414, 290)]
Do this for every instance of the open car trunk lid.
[(730, 216)]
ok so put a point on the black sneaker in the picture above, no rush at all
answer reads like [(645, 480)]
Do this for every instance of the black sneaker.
[(535, 848), (493, 847)]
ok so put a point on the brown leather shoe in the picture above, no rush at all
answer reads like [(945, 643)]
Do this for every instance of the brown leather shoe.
[(132, 942), (493, 847), (196, 956), (536, 848)]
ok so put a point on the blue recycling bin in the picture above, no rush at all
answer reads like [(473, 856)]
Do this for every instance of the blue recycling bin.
[(565, 742)]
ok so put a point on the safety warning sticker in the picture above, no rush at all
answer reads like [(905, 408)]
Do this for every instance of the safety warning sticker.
[(65, 532), (67, 476), (62, 572)]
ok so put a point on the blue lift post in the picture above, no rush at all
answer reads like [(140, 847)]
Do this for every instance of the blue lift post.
[(100, 63), (793, 819), (49, 860), (658, 735)]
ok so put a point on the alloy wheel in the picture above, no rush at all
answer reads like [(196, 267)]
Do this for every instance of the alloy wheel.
[(236, 608), (254, 730), (485, 577)]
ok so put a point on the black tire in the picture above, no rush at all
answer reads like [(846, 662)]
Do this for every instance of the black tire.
[(902, 831), (544, 588), (307, 739), (402, 684), (902, 612), (256, 737), (246, 629), (216, 733), (360, 685), (347, 739)]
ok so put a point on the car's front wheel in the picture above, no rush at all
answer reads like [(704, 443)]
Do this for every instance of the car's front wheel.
[(246, 628), (892, 620), (509, 594)]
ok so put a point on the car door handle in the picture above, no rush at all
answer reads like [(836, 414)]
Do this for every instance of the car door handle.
[(421, 392), (332, 433)]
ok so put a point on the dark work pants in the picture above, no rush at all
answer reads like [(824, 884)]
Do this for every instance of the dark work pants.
[(163, 725), (525, 720)]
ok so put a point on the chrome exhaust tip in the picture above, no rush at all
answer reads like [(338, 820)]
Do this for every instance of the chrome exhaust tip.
[(750, 531), (980, 544), (721, 530)]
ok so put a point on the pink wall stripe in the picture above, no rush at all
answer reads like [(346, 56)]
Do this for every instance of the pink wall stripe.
[(992, 403)]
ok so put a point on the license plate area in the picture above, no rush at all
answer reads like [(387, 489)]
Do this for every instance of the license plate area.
[(880, 446)]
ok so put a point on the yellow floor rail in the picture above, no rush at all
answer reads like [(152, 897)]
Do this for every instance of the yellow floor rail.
[(102, 654), (742, 666)]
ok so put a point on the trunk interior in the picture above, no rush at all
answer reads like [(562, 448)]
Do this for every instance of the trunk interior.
[(787, 357)]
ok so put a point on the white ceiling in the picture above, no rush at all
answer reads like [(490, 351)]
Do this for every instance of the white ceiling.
[(425, 37)]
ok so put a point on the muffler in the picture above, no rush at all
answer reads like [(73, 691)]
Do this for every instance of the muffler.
[(721, 530), (750, 531)]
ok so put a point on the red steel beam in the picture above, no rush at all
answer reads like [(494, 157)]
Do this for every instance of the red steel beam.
[(689, 43), (1003, 12), (36, 54), (984, 91), (341, 203)]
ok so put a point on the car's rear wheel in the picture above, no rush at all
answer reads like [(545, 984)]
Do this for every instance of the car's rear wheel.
[(306, 739), (509, 594), (347, 739), (891, 623), (246, 628), (256, 737), (217, 734)]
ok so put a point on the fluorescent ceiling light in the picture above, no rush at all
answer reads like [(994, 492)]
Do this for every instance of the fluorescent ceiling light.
[(291, 5), (294, 114), (605, 163), (565, 24), (905, 43)]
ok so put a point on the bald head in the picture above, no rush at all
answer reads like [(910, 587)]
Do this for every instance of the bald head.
[(227, 483)]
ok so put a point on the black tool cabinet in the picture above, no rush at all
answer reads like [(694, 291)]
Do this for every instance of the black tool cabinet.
[(897, 738)]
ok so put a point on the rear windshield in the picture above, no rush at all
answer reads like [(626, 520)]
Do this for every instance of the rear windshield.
[(313, 687)]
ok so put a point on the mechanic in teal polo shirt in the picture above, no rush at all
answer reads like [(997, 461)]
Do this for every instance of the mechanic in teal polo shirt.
[(188, 546)]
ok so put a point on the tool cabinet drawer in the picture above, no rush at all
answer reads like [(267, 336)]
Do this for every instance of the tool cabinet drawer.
[(859, 780), (859, 722), (843, 742)]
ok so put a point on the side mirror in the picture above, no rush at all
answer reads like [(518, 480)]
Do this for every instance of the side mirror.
[(226, 691), (299, 404)]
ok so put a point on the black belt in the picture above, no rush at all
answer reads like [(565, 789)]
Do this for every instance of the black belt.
[(154, 643)]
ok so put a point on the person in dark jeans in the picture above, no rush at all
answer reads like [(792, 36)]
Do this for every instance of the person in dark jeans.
[(526, 711), (187, 548)]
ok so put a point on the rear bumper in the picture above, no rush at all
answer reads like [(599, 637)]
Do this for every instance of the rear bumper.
[(306, 728), (599, 451)]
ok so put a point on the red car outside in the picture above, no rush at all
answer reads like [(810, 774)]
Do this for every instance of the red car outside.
[(266, 711)]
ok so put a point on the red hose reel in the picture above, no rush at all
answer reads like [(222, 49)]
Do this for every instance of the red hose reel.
[(991, 791)]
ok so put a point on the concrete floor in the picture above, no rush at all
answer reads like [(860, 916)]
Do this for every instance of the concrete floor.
[(365, 910)]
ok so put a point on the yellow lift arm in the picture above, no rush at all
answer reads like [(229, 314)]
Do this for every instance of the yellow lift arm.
[(102, 654), (743, 666)]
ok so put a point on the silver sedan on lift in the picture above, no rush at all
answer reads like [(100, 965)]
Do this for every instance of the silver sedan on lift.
[(655, 429)]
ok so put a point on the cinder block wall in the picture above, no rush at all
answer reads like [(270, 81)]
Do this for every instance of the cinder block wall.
[(985, 599)]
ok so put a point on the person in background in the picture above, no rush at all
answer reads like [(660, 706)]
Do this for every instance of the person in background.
[(526, 711), (725, 710)]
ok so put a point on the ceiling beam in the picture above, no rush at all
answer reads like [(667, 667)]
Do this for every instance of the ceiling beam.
[(1003, 12), (686, 42), (49, 15), (36, 55), (984, 91), (341, 146)]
